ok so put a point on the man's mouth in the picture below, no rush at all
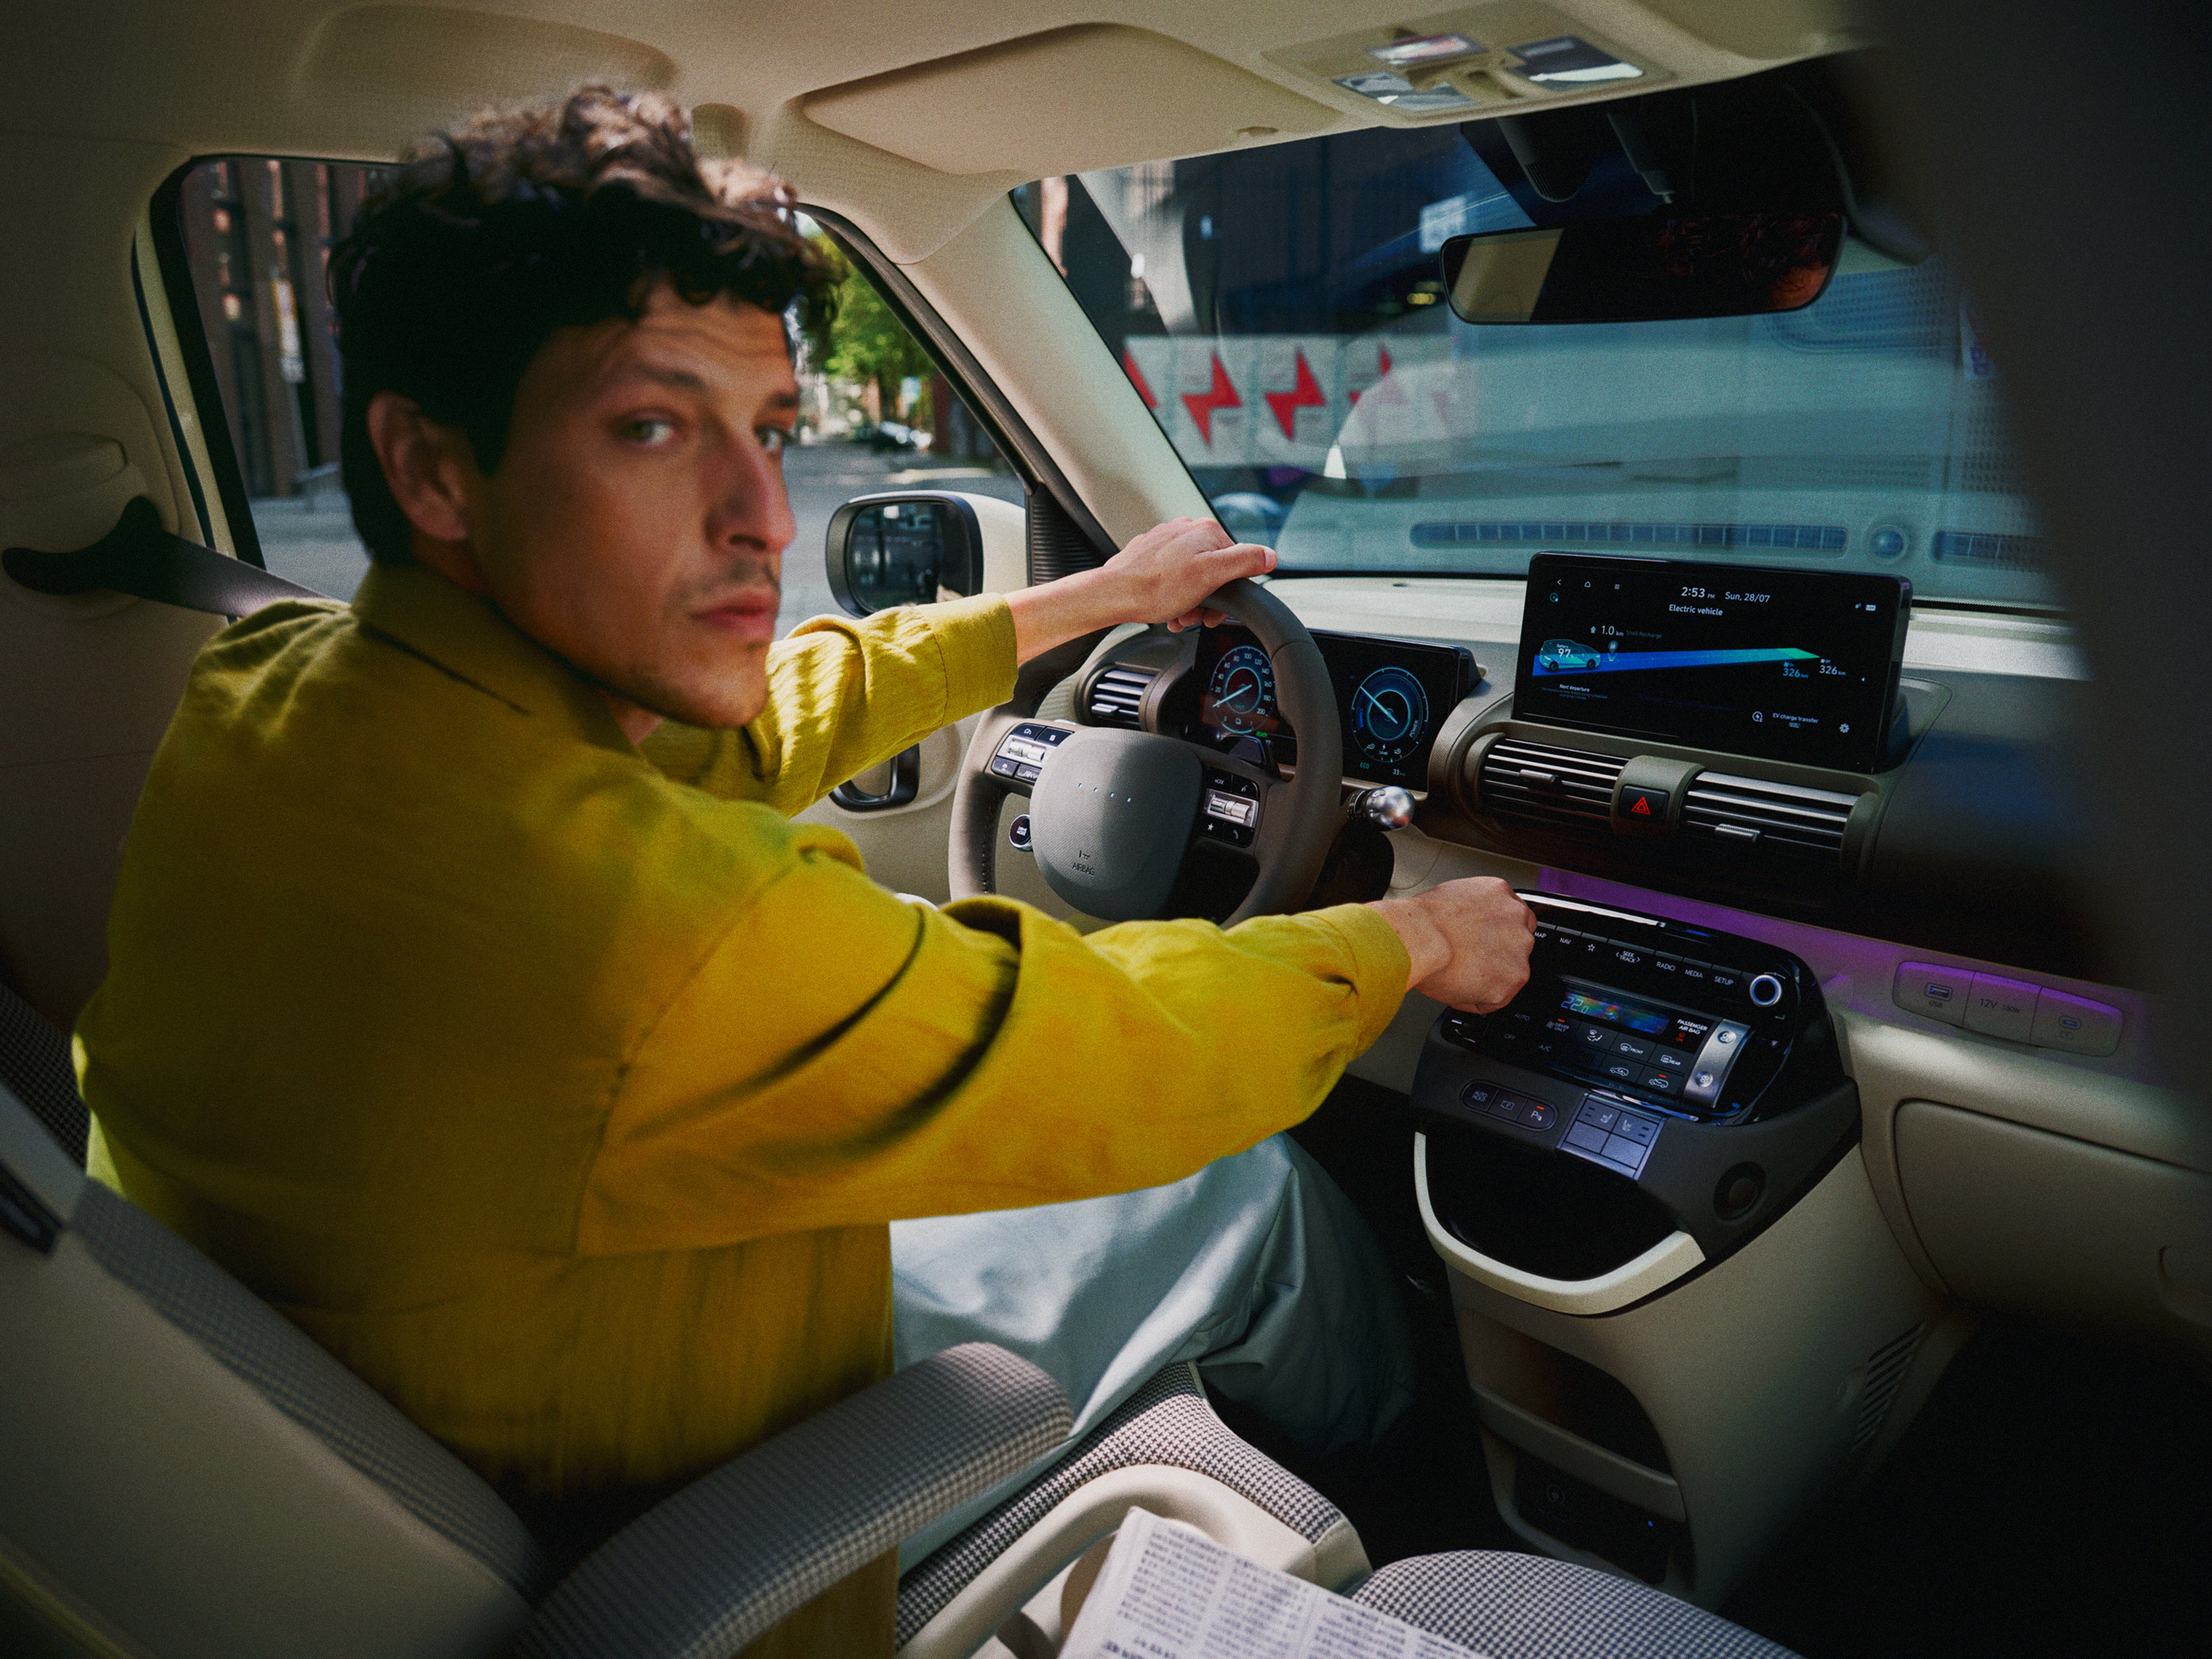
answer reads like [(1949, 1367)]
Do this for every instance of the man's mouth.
[(749, 615)]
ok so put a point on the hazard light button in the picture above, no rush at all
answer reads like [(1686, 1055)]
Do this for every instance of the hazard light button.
[(1644, 805)]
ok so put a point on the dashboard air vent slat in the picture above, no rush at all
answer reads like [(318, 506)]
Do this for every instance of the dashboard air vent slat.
[(1758, 815), (1539, 784), (1117, 695)]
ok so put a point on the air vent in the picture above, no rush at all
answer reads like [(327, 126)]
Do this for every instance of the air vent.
[(1885, 1370), (1117, 695), (1558, 788), (1752, 815)]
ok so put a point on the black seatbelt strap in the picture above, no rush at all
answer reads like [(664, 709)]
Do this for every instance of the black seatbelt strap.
[(140, 558)]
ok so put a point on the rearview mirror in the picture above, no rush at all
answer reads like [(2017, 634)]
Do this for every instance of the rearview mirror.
[(1647, 268), (914, 548)]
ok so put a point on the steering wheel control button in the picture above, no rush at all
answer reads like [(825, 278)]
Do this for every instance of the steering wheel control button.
[(1940, 993), (1766, 990), (2002, 1007), (2075, 1024), (1017, 834)]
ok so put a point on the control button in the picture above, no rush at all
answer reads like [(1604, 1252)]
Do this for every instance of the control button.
[(1695, 972), (1478, 1094), (1670, 1060), (1028, 773), (1641, 1130), (1628, 958), (1017, 834), (1711, 1066), (1766, 990), (1621, 1150), (1724, 979), (1663, 1082), (1535, 1114), (1725, 1037), (1634, 1047), (1666, 966), (1939, 992), (2076, 1023), (1594, 1036), (1003, 765), (1644, 805), (1230, 809), (1558, 1025), (1505, 1106), (2000, 1007), (1586, 1136), (1597, 1114), (1626, 1070)]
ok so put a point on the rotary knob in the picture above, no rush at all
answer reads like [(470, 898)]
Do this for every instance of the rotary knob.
[(1766, 990)]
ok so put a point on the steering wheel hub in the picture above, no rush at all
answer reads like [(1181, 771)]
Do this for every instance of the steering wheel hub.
[(1110, 816)]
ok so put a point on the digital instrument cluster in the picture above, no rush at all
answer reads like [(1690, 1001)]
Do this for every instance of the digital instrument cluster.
[(1391, 697)]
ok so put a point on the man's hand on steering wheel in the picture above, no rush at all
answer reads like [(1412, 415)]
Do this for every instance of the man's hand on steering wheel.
[(1164, 575)]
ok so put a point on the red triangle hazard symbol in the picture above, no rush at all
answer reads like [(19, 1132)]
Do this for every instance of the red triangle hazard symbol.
[(1643, 807)]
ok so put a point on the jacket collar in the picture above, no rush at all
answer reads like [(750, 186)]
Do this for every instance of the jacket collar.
[(468, 638)]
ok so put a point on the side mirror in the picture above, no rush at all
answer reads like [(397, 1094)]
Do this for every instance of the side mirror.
[(1649, 268), (911, 547)]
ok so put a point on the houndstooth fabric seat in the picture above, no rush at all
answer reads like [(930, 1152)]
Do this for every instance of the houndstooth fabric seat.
[(1527, 1606), (1166, 1423)]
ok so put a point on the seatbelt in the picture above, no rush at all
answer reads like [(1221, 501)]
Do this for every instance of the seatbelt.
[(140, 558)]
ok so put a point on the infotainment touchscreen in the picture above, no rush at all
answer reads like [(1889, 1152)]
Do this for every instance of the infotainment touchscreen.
[(1792, 665)]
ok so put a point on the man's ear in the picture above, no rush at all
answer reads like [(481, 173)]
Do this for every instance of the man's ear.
[(426, 466)]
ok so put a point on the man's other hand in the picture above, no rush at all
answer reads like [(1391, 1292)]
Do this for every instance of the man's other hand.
[(1164, 575), (1469, 941)]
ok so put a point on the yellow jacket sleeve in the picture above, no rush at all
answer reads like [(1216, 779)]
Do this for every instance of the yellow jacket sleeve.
[(982, 1057), (844, 696)]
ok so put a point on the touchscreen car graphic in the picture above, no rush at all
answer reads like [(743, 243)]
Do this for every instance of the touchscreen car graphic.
[(1564, 657)]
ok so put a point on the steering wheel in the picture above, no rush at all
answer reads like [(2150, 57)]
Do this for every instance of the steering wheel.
[(1115, 813)]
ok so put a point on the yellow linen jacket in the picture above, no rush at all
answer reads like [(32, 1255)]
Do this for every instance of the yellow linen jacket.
[(564, 1091)]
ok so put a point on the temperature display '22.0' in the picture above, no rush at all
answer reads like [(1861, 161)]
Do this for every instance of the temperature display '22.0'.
[(1390, 717)]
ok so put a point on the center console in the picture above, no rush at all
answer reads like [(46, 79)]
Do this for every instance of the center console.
[(1690, 1075), (1683, 1312)]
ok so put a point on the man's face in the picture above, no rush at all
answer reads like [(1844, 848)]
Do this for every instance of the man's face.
[(636, 523)]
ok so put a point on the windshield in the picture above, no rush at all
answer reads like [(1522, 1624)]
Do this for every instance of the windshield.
[(1280, 313)]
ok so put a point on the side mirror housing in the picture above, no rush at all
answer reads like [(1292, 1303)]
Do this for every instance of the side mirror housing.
[(913, 547)]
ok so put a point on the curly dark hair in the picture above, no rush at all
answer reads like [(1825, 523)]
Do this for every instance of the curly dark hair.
[(520, 222)]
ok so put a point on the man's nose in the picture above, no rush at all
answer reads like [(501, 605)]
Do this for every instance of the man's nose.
[(753, 513)]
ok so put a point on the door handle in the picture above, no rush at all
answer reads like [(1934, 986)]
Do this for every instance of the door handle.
[(906, 783)]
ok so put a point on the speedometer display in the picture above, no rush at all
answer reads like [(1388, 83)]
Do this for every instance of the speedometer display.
[(1240, 697), (1389, 720)]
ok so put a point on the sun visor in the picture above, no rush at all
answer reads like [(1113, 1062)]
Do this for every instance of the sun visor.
[(1069, 101)]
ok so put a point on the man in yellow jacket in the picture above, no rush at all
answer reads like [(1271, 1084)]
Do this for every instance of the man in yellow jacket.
[(471, 996)]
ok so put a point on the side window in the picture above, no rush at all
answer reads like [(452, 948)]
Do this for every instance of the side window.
[(256, 231)]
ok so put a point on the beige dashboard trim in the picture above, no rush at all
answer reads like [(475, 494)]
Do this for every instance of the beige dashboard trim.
[(1659, 1266)]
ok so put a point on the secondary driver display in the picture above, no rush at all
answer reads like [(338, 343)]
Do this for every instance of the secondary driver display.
[(1392, 696), (1791, 664)]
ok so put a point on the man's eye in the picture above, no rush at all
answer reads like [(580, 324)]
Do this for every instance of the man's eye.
[(648, 429), (772, 438)]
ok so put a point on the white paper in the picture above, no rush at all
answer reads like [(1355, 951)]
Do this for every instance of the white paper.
[(1168, 1591)]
